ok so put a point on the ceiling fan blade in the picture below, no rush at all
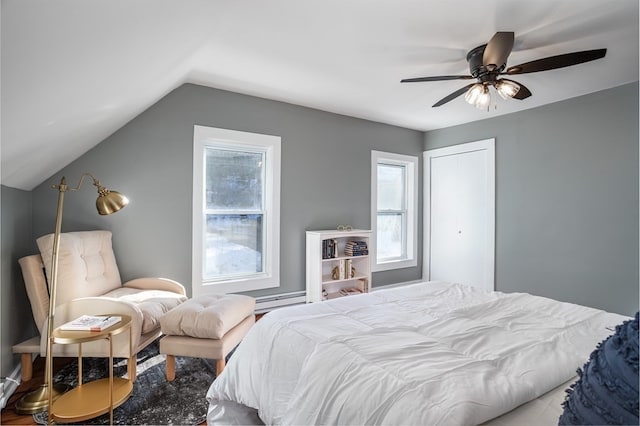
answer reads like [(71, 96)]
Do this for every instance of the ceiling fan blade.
[(498, 49), (523, 93), (452, 96), (436, 78), (559, 61)]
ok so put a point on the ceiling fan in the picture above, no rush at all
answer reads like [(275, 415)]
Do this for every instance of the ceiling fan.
[(488, 63)]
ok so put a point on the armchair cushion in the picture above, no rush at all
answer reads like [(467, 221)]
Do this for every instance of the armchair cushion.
[(152, 303), (86, 264)]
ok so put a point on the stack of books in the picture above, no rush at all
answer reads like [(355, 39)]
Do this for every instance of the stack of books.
[(350, 291), (356, 248), (91, 323)]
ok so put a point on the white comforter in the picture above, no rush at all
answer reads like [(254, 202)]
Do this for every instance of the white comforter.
[(425, 354)]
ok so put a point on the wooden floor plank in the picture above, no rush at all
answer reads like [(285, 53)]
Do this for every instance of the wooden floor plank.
[(9, 415)]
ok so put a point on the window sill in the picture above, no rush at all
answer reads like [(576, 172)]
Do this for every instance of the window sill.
[(237, 286), (395, 264)]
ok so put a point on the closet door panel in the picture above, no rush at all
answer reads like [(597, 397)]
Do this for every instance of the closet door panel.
[(444, 213), (459, 214), (472, 215)]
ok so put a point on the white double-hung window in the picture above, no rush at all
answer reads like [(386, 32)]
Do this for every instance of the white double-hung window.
[(394, 214), (236, 211)]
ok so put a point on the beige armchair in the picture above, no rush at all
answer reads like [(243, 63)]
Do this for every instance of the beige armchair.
[(89, 283)]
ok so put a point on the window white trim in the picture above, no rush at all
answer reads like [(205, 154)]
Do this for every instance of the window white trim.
[(210, 136), (410, 162)]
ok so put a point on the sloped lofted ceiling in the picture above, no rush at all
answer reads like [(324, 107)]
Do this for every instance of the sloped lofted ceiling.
[(75, 71)]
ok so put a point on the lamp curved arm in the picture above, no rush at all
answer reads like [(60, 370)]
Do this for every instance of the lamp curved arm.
[(108, 202), (64, 187)]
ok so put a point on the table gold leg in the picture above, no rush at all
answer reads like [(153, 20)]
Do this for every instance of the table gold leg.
[(131, 364), (49, 368), (110, 338), (79, 364)]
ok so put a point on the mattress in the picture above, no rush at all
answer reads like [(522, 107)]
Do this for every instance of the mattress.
[(544, 410), (428, 353)]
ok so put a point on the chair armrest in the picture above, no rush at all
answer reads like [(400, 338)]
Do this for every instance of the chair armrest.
[(99, 306), (157, 284)]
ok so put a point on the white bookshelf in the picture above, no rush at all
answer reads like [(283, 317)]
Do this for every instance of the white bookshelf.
[(321, 272)]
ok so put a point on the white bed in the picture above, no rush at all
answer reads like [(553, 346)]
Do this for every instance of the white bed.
[(428, 353)]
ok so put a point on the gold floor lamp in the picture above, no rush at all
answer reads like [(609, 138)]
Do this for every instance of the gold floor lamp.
[(108, 202)]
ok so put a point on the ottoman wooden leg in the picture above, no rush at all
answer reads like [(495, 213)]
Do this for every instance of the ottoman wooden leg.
[(171, 367), (220, 363), (131, 368)]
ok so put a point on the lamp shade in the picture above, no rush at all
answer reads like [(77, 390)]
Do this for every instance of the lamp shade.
[(474, 93), (478, 96), (507, 89), (109, 202)]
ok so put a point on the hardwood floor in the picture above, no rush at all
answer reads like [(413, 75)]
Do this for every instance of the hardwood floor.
[(9, 415)]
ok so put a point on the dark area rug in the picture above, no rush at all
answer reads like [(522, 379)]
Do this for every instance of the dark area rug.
[(154, 400)]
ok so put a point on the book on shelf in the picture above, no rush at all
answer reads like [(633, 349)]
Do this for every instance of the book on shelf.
[(91, 323), (329, 248), (345, 270), (350, 291), (356, 248)]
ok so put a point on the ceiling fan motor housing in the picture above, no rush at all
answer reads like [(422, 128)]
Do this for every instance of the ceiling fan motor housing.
[(478, 69)]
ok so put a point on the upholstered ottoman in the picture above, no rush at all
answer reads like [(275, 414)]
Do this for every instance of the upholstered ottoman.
[(206, 327)]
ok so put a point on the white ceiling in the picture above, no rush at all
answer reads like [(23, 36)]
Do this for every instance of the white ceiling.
[(74, 71)]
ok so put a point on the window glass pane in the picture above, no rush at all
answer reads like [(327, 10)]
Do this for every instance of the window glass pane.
[(234, 179), (390, 187), (233, 245), (389, 236)]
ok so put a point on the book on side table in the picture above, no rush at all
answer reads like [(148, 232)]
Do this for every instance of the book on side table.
[(91, 323)]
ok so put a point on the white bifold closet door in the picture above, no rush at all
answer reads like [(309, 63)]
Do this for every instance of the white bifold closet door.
[(460, 214)]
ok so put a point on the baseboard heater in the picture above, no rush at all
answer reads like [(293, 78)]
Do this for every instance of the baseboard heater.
[(267, 303), (8, 385)]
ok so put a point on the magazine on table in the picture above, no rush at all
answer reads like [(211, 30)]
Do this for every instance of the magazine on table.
[(91, 323)]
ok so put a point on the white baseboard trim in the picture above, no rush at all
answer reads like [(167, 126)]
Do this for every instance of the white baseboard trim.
[(268, 303), (9, 385)]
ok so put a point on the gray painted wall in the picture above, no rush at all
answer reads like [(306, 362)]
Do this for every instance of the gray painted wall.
[(325, 179), (567, 193), (16, 321), (566, 197)]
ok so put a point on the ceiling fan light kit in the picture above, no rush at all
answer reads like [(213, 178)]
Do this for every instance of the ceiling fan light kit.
[(478, 96), (487, 63), (507, 89)]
